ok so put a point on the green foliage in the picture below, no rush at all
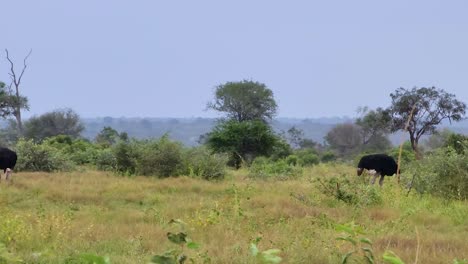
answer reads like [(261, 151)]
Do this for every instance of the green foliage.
[(391, 258), (442, 173), (345, 139), (88, 259), (200, 162), (350, 192), (185, 244), (292, 160), (79, 151), (266, 256), (40, 157), (375, 125), (244, 101), (125, 158), (458, 142), (58, 122), (106, 160), (263, 168), (431, 106), (161, 158), (243, 141), (361, 246), (9, 102), (307, 157), (361, 251), (108, 137), (281, 149), (407, 154), (328, 156)]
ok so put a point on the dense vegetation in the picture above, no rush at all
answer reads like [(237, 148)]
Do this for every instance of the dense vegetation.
[(246, 194)]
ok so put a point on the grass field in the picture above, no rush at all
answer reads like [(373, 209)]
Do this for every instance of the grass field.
[(54, 217)]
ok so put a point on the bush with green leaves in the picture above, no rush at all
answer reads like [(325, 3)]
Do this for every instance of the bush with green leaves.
[(162, 157), (200, 162), (361, 246), (307, 157), (352, 192), (126, 156), (106, 160), (328, 156), (40, 157), (264, 168), (80, 151), (442, 173)]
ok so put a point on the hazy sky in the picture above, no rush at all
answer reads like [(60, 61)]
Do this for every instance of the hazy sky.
[(164, 58)]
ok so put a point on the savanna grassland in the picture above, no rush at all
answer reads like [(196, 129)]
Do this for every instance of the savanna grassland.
[(54, 217)]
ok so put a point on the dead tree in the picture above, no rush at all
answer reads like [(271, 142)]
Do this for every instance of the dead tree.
[(18, 101)]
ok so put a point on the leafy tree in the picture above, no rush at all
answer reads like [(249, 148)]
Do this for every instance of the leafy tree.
[(345, 138), (425, 108), (243, 141), (109, 137), (244, 101), (295, 136), (458, 142), (59, 122), (374, 124)]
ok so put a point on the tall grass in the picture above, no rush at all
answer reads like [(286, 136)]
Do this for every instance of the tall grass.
[(54, 217)]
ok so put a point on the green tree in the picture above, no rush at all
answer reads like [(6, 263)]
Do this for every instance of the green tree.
[(345, 138), (58, 122), (244, 101), (425, 108), (108, 137), (242, 140), (375, 124)]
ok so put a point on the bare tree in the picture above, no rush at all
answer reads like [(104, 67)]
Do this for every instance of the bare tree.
[(18, 102)]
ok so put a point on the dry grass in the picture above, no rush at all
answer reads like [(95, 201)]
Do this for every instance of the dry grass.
[(59, 215)]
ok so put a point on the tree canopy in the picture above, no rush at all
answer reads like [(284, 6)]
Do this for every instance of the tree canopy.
[(244, 101), (58, 122), (242, 140), (425, 108)]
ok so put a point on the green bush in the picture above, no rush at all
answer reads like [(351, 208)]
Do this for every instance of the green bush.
[(126, 156), (308, 159), (199, 162), (80, 151), (161, 158), (328, 156), (264, 168), (443, 173), (292, 160), (106, 160), (40, 157)]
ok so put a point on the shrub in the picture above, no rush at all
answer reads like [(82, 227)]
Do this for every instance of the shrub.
[(309, 159), (125, 158), (443, 173), (264, 168), (40, 157), (199, 162), (328, 156), (80, 151), (106, 160), (292, 160), (161, 158)]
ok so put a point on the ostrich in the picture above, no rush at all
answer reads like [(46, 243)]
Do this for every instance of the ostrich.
[(7, 161), (377, 165)]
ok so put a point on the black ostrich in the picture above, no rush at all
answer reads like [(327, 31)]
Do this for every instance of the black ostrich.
[(377, 165), (7, 161)]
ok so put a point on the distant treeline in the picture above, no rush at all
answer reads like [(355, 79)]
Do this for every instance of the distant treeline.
[(188, 130)]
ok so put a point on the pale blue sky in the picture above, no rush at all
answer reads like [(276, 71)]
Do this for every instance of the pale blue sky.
[(164, 58)]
